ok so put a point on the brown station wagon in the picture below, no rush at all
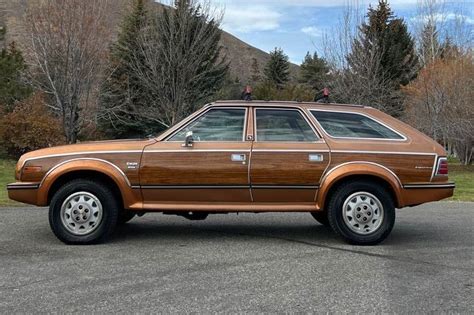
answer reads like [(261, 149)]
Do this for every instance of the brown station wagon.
[(348, 166)]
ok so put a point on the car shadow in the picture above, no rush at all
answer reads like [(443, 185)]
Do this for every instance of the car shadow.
[(313, 234), (180, 231)]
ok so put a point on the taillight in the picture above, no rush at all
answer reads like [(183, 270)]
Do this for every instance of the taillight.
[(442, 167)]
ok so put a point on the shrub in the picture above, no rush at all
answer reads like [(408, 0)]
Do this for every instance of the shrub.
[(30, 126), (291, 92)]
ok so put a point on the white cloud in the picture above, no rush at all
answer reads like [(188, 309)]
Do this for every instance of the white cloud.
[(250, 18), (312, 31), (443, 17), (311, 3)]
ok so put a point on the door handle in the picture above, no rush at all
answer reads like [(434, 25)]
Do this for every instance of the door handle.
[(316, 158), (238, 158)]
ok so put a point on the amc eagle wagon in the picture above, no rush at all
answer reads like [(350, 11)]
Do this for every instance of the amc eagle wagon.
[(348, 166)]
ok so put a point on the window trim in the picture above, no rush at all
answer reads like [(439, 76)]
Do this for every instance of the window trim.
[(404, 138), (319, 139), (244, 130)]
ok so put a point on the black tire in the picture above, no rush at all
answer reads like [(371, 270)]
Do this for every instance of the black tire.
[(336, 208), (125, 216), (321, 217), (110, 212)]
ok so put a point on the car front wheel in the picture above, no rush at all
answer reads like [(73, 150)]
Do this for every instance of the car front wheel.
[(362, 212), (83, 212)]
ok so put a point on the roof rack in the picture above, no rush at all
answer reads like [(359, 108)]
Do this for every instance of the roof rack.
[(282, 102)]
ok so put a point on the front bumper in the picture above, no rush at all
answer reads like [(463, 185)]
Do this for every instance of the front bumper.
[(24, 192), (415, 194)]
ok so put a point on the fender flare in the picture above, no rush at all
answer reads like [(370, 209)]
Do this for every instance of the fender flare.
[(341, 171), (85, 164)]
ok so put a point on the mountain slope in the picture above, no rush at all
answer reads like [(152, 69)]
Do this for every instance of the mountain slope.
[(239, 54)]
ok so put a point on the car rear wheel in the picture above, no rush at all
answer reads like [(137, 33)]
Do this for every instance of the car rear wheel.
[(362, 212), (321, 217), (83, 212)]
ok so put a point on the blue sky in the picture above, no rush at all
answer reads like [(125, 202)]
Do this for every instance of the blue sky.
[(298, 26)]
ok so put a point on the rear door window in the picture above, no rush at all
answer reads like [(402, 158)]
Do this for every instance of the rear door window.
[(283, 126)]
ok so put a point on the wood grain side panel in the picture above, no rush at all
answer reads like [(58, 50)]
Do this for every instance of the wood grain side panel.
[(193, 168), (408, 168), (286, 168)]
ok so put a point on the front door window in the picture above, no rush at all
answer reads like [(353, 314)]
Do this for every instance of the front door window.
[(225, 125)]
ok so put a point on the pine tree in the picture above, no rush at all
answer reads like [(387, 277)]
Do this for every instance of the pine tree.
[(314, 71), (277, 70), (3, 31), (255, 75), (12, 86), (121, 92), (387, 37), (384, 57)]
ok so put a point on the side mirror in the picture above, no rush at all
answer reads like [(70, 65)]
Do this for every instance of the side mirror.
[(188, 141)]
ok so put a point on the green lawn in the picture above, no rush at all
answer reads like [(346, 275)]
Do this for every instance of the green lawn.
[(462, 175), (7, 175)]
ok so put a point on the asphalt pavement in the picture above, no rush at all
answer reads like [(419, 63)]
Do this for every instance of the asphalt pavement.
[(240, 263)]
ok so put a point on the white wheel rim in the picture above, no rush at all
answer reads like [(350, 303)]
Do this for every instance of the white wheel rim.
[(81, 213), (363, 213)]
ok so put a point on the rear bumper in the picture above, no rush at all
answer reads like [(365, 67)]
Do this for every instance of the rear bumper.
[(415, 194), (24, 192)]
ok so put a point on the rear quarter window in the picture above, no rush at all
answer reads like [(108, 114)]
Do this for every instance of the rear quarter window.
[(351, 125)]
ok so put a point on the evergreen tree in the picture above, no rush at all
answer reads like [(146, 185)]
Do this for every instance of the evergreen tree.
[(121, 92), (386, 37), (314, 72), (12, 86), (277, 70), (255, 75), (383, 57), (3, 31)]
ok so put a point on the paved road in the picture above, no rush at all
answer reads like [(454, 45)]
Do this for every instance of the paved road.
[(244, 263)]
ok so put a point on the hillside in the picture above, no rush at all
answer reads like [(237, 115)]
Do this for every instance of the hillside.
[(239, 53)]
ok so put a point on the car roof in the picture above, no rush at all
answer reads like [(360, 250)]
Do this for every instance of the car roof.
[(309, 105)]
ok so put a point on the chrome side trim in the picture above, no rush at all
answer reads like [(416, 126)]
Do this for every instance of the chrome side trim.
[(285, 186), (85, 159), (228, 186), (383, 152), (197, 150), (429, 186), (291, 150), (22, 186), (361, 162), (195, 187), (404, 138)]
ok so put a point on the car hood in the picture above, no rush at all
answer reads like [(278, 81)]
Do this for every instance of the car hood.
[(88, 148)]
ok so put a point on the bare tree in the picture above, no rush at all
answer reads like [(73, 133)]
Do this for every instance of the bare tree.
[(439, 103), (436, 23), (68, 41)]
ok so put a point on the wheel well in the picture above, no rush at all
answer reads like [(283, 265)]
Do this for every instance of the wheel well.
[(370, 178), (91, 175)]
